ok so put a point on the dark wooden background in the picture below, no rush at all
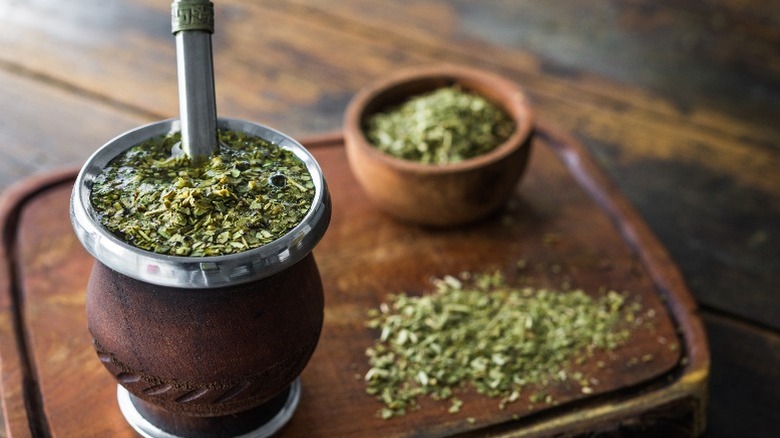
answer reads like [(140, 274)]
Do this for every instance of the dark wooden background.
[(679, 100)]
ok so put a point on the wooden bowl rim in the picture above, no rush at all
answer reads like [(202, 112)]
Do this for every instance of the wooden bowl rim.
[(501, 91)]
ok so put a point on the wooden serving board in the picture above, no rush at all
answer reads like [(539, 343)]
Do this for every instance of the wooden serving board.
[(566, 221)]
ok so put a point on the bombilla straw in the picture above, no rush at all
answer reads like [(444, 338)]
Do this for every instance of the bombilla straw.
[(192, 23)]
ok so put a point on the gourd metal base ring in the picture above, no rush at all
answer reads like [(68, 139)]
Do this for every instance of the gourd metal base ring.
[(148, 430)]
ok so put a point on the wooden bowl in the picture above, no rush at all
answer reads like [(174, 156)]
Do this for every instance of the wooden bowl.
[(430, 194)]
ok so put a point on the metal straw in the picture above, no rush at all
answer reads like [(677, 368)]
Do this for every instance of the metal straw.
[(192, 23)]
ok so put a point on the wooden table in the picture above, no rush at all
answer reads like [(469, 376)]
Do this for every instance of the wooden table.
[(677, 101)]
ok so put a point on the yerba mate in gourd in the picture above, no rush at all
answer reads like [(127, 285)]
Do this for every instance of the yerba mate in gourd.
[(246, 194)]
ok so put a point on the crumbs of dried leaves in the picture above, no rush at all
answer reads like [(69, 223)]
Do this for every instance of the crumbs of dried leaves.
[(487, 335)]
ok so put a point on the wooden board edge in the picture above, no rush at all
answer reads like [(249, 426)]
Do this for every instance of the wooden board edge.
[(695, 366), (328, 139), (17, 378)]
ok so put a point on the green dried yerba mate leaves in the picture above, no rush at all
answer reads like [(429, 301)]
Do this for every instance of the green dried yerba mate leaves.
[(489, 336), (249, 193), (444, 126)]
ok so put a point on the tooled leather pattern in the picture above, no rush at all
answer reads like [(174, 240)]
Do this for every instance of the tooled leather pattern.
[(165, 391)]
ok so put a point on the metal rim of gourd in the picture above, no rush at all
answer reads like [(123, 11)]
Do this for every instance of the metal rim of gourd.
[(197, 272)]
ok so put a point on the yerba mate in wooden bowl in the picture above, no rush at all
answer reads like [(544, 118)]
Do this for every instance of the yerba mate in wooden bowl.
[(205, 302), (439, 146)]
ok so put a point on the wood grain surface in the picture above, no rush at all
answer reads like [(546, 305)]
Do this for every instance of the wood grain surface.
[(677, 100)]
